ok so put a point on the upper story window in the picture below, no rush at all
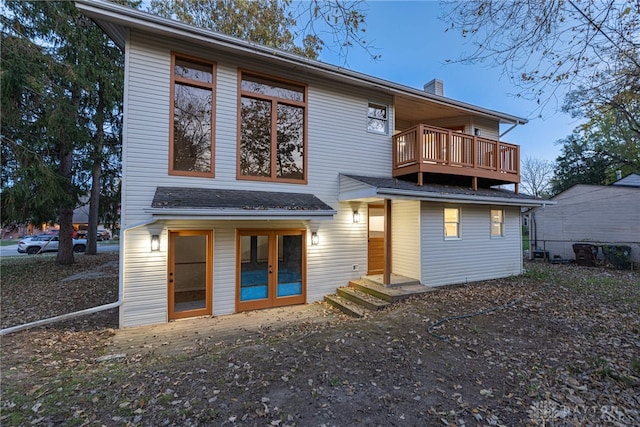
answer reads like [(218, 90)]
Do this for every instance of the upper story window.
[(377, 120), (451, 223), (191, 150), (272, 132), (497, 223)]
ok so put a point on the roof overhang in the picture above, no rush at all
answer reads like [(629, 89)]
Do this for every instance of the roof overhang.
[(175, 203), (115, 20), (353, 188)]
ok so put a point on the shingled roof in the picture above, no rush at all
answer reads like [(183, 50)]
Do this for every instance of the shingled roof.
[(221, 201), (388, 187)]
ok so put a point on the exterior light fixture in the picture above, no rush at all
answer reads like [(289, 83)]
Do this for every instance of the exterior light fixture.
[(155, 243), (315, 239), (356, 217)]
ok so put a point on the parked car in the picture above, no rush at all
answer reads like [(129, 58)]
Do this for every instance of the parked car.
[(47, 243), (100, 235)]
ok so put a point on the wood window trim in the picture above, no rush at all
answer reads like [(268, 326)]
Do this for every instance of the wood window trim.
[(208, 310), (273, 301), (274, 102), (195, 83)]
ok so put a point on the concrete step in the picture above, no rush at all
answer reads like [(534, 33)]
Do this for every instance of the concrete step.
[(344, 305), (361, 298), (388, 294)]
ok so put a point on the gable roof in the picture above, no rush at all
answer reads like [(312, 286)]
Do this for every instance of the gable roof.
[(212, 203), (116, 19), (631, 180), (353, 187)]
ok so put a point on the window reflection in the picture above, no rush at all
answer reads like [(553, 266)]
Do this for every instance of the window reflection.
[(268, 105)]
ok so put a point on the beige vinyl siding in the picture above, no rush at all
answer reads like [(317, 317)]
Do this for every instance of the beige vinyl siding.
[(475, 256), (333, 148), (332, 145), (329, 265), (405, 243), (592, 214)]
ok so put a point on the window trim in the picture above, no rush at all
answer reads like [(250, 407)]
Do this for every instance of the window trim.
[(274, 126), (201, 85), (491, 223), (386, 121), (458, 224)]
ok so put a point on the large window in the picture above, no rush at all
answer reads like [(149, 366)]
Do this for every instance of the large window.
[(497, 223), (451, 223), (377, 118), (272, 133), (192, 116)]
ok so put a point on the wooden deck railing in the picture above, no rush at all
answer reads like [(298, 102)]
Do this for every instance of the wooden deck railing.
[(425, 148)]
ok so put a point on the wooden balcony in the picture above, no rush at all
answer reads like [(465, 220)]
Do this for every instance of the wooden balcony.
[(426, 149)]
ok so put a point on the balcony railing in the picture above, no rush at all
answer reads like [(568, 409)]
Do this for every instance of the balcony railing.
[(428, 149)]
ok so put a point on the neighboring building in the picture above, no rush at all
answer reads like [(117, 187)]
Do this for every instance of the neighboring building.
[(602, 215), (256, 178)]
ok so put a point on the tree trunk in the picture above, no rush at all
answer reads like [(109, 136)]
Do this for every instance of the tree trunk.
[(65, 247), (96, 173), (94, 203)]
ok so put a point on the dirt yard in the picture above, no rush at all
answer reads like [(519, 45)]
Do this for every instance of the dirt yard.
[(557, 346)]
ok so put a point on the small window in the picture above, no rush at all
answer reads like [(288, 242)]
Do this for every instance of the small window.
[(377, 118), (497, 223), (451, 223)]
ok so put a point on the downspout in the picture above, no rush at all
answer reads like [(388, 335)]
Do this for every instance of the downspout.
[(92, 310)]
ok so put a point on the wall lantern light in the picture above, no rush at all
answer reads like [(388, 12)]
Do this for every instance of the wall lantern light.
[(315, 239), (356, 217), (155, 243)]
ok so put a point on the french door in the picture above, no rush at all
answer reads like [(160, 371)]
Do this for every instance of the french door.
[(190, 274), (271, 268)]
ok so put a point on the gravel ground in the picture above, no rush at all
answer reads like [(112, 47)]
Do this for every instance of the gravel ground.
[(559, 345)]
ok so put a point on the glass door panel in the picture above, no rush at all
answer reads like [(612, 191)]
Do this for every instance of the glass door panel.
[(254, 267), (289, 266), (190, 274)]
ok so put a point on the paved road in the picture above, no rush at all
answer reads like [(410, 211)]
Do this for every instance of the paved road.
[(12, 250)]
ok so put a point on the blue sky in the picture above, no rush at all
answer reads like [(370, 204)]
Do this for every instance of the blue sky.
[(414, 47)]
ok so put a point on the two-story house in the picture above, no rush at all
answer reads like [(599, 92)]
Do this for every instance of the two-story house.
[(255, 178)]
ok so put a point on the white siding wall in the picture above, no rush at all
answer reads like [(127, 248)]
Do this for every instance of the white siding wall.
[(405, 243), (476, 256), (337, 143), (590, 213)]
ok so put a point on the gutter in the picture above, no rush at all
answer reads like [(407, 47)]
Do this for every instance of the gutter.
[(91, 310), (460, 198), (239, 214)]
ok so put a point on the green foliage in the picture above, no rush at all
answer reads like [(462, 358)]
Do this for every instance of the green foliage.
[(582, 162), (607, 142), (293, 26), (61, 103)]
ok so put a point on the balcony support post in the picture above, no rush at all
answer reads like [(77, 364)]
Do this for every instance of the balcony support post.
[(474, 183)]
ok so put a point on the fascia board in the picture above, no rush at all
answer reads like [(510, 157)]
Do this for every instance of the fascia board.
[(460, 198), (237, 214)]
